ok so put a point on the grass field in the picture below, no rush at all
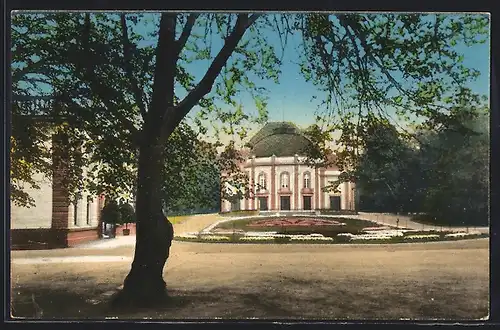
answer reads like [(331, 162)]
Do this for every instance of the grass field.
[(442, 280)]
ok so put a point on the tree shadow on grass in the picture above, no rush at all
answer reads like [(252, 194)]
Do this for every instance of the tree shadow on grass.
[(276, 298)]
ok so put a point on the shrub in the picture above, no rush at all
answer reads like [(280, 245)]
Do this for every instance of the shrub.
[(111, 213), (127, 213), (282, 239)]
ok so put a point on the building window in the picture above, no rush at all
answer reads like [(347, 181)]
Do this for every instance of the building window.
[(88, 211), (262, 181), (285, 180), (307, 180), (75, 213)]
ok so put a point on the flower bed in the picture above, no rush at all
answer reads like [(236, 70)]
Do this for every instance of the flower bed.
[(257, 239), (370, 238), (214, 238), (367, 235), (422, 237), (294, 222), (462, 235), (187, 236), (377, 228), (261, 233), (310, 238), (387, 232)]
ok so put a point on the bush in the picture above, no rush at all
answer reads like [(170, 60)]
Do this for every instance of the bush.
[(127, 213), (282, 240), (111, 213)]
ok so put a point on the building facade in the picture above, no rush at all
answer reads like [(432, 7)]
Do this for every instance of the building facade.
[(280, 179), (54, 221)]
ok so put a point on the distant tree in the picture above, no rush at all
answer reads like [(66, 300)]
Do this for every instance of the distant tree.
[(455, 167), (191, 178)]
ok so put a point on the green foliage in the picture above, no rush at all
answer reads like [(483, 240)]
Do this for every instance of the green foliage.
[(191, 175), (445, 175), (127, 213), (455, 166), (111, 213), (99, 69), (374, 63)]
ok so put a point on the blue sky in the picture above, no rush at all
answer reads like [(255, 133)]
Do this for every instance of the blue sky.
[(290, 99)]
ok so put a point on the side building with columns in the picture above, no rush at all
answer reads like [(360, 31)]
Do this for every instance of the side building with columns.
[(280, 179), (54, 221)]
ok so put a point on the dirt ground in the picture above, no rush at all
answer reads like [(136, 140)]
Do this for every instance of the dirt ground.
[(441, 280)]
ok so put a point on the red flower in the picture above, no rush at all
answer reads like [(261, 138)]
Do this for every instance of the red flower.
[(293, 222)]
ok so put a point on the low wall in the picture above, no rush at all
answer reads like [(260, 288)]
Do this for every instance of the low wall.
[(49, 238), (40, 238), (79, 236)]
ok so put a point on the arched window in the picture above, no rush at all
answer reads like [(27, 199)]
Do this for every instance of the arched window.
[(262, 181), (285, 180), (307, 180)]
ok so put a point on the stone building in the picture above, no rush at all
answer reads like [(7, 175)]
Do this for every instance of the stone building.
[(54, 222), (281, 180)]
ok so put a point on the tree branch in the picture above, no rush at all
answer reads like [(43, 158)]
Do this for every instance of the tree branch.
[(348, 23), (162, 98), (17, 74), (176, 114), (186, 32), (134, 85), (104, 92)]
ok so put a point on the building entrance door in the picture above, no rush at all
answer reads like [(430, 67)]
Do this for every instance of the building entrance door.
[(307, 202), (263, 203), (235, 206), (285, 203), (335, 203)]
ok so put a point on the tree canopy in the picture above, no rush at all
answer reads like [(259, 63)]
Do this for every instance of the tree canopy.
[(363, 63)]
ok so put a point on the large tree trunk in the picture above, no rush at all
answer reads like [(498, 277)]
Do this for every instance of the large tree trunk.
[(144, 285)]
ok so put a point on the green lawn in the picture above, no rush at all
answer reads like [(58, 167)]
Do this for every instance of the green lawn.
[(353, 226), (178, 219)]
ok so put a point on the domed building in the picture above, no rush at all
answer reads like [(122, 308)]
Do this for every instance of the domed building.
[(280, 179)]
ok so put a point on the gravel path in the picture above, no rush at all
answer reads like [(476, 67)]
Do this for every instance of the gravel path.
[(418, 280), (404, 221), (193, 223)]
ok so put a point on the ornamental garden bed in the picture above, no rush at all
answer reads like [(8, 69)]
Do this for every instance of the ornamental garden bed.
[(341, 239), (313, 230), (299, 225)]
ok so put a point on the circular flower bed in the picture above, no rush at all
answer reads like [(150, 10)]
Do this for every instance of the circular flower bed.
[(295, 222), (310, 230)]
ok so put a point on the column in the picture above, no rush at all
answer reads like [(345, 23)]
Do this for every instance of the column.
[(317, 191), (296, 188), (60, 194), (345, 196), (252, 182), (272, 202), (323, 184), (247, 190)]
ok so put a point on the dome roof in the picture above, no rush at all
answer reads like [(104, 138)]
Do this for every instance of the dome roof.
[(281, 139)]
